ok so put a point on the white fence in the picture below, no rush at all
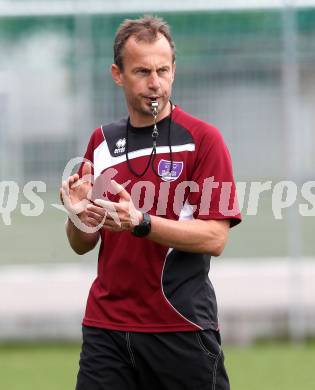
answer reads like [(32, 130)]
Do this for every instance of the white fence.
[(257, 298)]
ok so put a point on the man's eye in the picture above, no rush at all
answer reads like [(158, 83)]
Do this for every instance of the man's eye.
[(142, 71)]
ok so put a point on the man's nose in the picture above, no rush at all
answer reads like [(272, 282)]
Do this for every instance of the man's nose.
[(154, 81)]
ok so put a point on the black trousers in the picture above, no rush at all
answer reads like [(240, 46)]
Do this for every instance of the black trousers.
[(115, 360)]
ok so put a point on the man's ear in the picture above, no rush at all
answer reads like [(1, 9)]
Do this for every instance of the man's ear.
[(116, 74), (173, 70)]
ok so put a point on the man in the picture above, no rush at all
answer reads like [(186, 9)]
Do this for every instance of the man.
[(151, 316)]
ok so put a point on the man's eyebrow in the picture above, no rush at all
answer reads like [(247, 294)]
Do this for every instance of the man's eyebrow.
[(141, 67)]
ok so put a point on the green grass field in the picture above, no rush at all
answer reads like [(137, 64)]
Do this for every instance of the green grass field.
[(261, 367)]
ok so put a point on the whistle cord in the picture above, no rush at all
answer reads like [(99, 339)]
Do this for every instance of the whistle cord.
[(153, 151)]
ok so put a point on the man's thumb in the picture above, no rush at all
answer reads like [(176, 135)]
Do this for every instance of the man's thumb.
[(87, 176), (86, 169)]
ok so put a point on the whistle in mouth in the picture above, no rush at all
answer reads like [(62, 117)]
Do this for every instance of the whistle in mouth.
[(154, 104)]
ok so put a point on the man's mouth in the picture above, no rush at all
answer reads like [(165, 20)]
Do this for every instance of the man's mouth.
[(152, 98)]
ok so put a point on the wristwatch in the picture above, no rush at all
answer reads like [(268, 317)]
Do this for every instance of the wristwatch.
[(144, 227)]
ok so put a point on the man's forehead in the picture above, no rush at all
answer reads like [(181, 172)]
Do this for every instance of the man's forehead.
[(145, 52)]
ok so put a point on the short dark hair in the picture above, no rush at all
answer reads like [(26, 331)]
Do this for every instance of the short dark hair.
[(143, 29)]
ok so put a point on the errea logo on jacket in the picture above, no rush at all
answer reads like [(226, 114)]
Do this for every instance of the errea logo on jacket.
[(120, 146)]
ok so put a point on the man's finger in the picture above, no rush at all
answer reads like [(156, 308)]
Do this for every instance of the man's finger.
[(96, 212), (96, 209), (86, 169), (106, 204), (73, 179), (96, 219), (76, 208), (65, 187), (77, 183), (87, 175), (111, 224), (111, 209), (120, 190)]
